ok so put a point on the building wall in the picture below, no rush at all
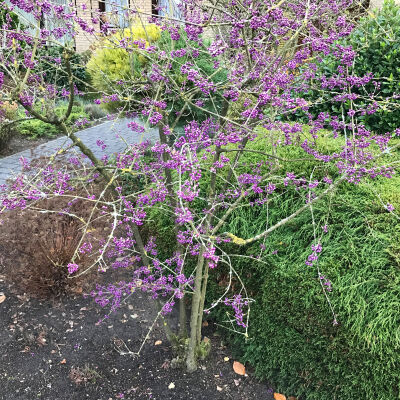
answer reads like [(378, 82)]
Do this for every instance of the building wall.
[(378, 3), (83, 41)]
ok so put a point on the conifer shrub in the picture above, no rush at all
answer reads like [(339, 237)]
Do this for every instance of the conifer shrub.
[(111, 63), (295, 342), (118, 59)]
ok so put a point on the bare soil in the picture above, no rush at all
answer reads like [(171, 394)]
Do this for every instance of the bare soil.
[(56, 350), (19, 143)]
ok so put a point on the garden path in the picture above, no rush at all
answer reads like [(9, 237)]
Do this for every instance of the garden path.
[(109, 132)]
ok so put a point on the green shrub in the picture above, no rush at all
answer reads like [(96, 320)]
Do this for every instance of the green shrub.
[(292, 340), (15, 21), (376, 40), (35, 128), (204, 64), (4, 11), (8, 114), (110, 64), (94, 111), (55, 72)]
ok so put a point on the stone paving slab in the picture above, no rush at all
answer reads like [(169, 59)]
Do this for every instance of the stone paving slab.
[(108, 132)]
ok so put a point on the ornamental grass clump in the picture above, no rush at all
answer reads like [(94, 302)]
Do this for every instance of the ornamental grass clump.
[(197, 178), (39, 244)]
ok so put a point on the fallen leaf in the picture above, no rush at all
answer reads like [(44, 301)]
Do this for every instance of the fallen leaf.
[(171, 385), (157, 342), (205, 323), (226, 359), (134, 316), (2, 297), (278, 396), (64, 361), (219, 388), (239, 368), (41, 340)]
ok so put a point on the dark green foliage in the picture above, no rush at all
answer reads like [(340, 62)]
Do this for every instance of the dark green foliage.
[(293, 342), (8, 114), (203, 63), (55, 73), (5, 135), (3, 13), (377, 43), (110, 65)]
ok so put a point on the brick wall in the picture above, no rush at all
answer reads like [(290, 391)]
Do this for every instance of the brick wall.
[(83, 41), (378, 3)]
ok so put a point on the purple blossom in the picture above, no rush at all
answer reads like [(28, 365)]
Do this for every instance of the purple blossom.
[(389, 207), (72, 267)]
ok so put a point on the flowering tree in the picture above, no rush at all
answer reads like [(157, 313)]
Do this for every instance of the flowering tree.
[(266, 54)]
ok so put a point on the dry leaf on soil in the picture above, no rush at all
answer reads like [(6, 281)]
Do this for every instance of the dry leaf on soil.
[(2, 297), (157, 342), (278, 396), (64, 361), (239, 368)]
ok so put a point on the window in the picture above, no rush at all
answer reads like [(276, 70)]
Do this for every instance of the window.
[(48, 21), (116, 13), (170, 8)]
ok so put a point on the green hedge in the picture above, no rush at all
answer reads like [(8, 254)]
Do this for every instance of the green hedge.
[(292, 340), (51, 62)]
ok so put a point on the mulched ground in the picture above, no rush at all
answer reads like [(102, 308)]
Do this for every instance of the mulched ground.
[(19, 143), (55, 350)]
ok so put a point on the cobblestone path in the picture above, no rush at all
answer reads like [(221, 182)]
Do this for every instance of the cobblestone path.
[(108, 132)]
